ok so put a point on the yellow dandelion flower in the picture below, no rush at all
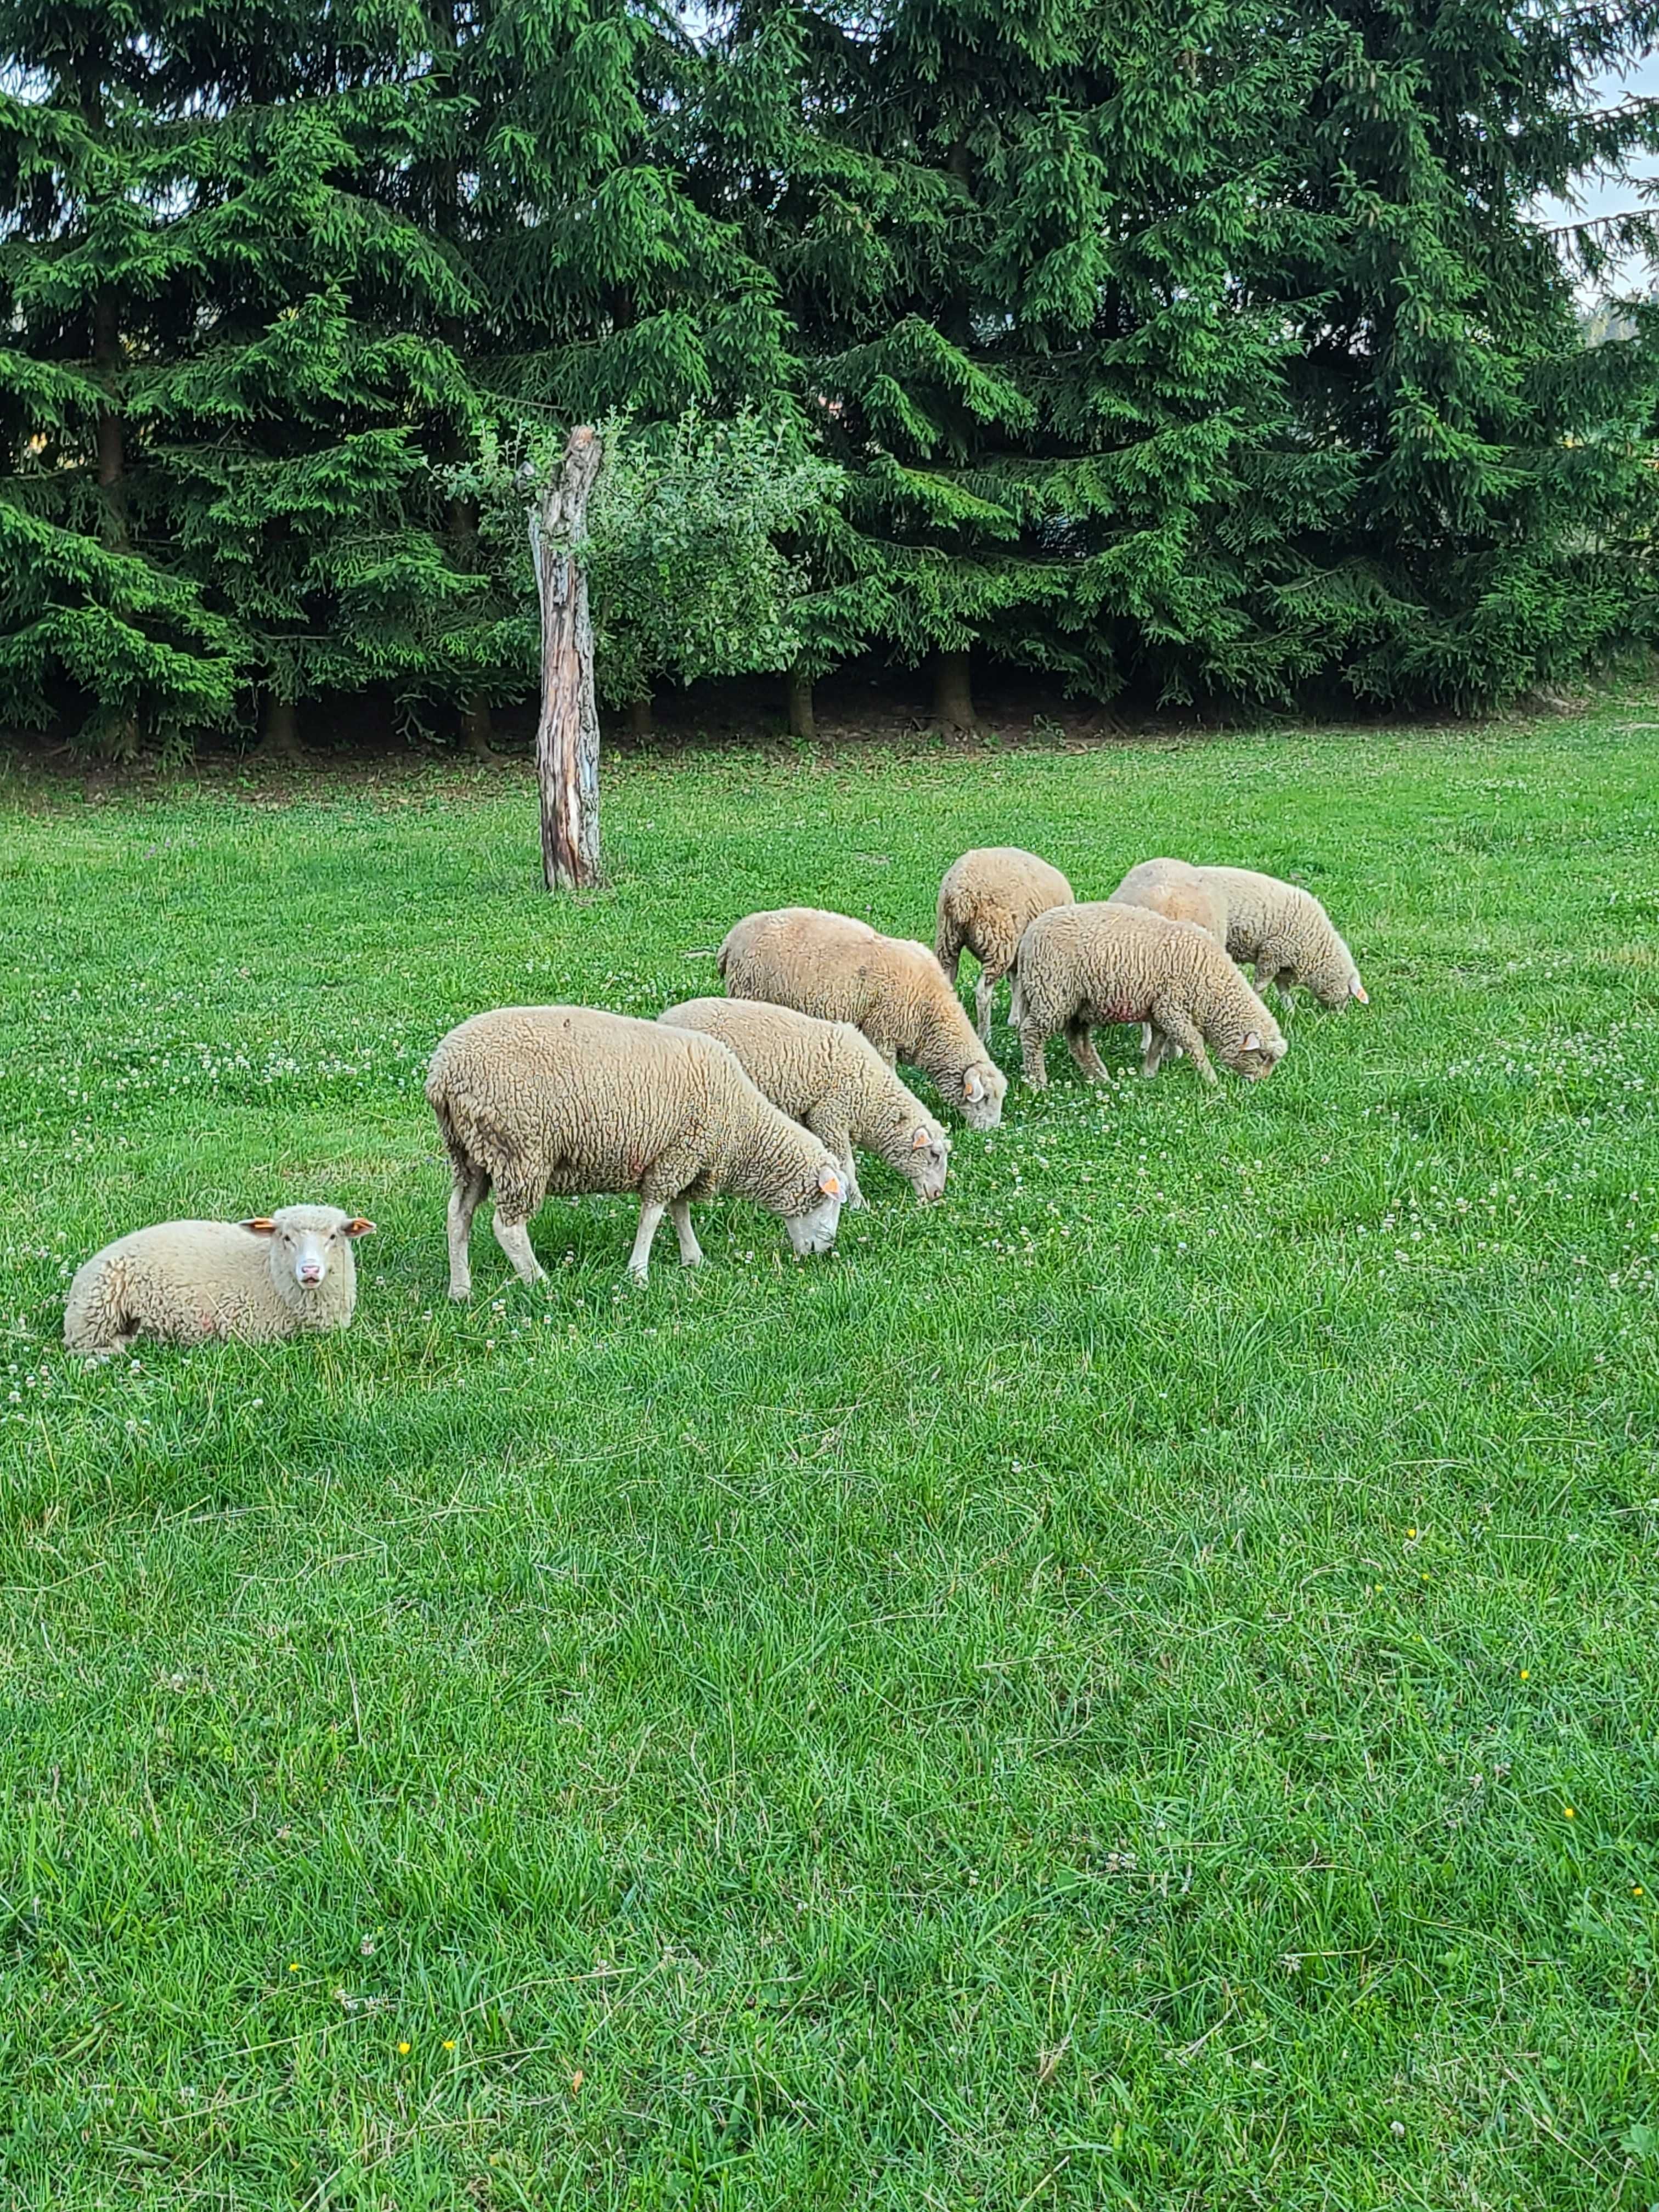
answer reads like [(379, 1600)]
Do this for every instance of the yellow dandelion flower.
[(449, 2045), (1526, 1674), (1636, 1889), (295, 1967), (402, 2050), (1569, 1812), (1410, 1532)]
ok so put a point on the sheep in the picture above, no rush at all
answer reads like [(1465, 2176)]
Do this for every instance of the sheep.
[(1180, 893), (565, 1099), (1287, 935), (828, 1076), (183, 1281), (891, 987), (986, 900), (1177, 891), (1080, 967)]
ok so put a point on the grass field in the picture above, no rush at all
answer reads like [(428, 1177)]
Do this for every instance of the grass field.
[(1138, 1687)]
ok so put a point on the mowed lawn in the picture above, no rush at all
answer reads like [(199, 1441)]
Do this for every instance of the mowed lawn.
[(1138, 1686)]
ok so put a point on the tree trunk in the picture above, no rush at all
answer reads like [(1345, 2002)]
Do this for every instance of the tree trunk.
[(803, 722), (639, 716), (953, 693), (568, 731), (111, 452), (280, 740), (477, 729)]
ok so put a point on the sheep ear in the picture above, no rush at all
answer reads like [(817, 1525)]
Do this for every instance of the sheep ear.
[(1356, 989), (1253, 1042), (357, 1228), (973, 1086), (262, 1226), (920, 1141), (829, 1183)]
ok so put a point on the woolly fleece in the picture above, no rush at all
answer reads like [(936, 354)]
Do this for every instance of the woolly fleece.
[(891, 987), (1081, 967), (182, 1282), (829, 1076), (533, 1100), (985, 902)]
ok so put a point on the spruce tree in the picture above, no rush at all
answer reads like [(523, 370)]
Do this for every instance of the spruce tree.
[(1505, 503), (1015, 241), (1204, 347), (97, 621)]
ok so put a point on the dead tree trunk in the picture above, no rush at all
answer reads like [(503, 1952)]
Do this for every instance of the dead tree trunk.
[(803, 722), (568, 732), (953, 693)]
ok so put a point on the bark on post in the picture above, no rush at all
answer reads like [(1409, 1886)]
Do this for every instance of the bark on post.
[(803, 722), (568, 732), (953, 693)]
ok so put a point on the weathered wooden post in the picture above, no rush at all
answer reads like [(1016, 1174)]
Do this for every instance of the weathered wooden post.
[(568, 732)]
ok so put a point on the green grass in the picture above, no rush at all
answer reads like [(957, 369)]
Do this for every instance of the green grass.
[(1072, 1701)]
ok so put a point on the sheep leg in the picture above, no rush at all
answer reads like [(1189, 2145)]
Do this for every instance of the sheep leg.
[(1180, 1029), (1152, 1049), (679, 1212), (652, 1210), (468, 1189), (513, 1237), (1081, 1046), (984, 991), (1033, 1065)]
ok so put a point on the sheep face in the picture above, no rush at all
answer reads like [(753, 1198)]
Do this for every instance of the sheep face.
[(306, 1243), (815, 1229), (1257, 1056), (927, 1161), (983, 1089)]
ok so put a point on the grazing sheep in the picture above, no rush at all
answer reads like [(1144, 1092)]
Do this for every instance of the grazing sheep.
[(1080, 967), (563, 1099), (1180, 893), (891, 987), (986, 900), (183, 1281), (1287, 935), (830, 1077)]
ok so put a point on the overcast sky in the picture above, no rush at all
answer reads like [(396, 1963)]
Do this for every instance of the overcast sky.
[(1597, 197)]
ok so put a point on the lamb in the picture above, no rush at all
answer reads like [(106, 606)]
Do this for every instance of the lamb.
[(182, 1282), (1080, 967), (986, 900), (1285, 934), (891, 987), (828, 1076), (564, 1099)]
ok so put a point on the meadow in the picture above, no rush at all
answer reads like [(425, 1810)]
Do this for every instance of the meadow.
[(1137, 1687)]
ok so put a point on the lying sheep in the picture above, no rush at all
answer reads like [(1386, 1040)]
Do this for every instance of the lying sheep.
[(1080, 967), (891, 987), (828, 1076), (563, 1099), (986, 900), (182, 1281), (1287, 935)]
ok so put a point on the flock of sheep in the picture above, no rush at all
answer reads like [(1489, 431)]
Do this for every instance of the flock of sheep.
[(769, 1092)]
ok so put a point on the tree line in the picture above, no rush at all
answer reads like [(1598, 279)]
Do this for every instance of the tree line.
[(1194, 349)]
